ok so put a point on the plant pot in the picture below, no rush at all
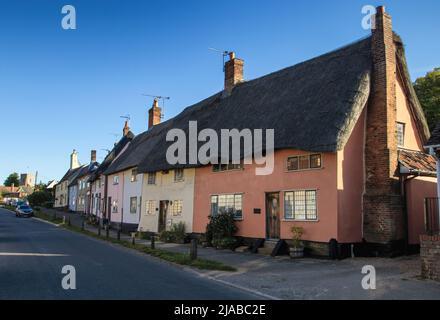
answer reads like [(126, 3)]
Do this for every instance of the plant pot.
[(297, 252)]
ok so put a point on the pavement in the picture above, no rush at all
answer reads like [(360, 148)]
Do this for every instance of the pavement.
[(33, 253), (281, 277)]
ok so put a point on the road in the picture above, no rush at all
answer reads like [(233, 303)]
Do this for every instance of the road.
[(33, 253)]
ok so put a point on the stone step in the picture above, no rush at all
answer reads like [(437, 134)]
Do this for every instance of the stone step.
[(268, 247)]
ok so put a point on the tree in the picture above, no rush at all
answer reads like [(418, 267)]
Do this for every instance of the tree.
[(40, 198), (12, 179), (428, 92)]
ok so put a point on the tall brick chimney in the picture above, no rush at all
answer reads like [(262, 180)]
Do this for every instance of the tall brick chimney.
[(126, 129), (233, 72), (74, 163), (383, 205), (92, 156), (154, 114)]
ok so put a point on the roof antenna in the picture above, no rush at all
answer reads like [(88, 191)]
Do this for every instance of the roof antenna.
[(224, 53), (127, 117), (162, 98)]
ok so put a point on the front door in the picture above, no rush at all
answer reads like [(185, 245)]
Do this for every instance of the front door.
[(273, 215), (163, 205)]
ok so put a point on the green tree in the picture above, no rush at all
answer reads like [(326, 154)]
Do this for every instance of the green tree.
[(40, 198), (428, 92), (13, 178)]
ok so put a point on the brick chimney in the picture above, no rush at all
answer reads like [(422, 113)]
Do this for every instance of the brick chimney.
[(382, 206), (92, 156), (233, 72), (74, 163), (126, 129), (154, 114)]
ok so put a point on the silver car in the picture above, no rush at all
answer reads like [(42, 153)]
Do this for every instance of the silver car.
[(24, 211)]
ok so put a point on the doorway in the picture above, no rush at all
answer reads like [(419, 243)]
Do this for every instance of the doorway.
[(163, 208), (273, 215)]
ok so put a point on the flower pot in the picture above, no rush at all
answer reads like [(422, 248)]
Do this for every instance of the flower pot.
[(297, 252)]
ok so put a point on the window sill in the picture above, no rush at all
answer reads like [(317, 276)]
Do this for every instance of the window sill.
[(302, 170), (300, 220)]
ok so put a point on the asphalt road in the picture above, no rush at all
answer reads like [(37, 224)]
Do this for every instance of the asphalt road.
[(29, 269)]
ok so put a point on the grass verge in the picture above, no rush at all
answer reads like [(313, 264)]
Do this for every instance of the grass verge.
[(174, 257), (45, 216)]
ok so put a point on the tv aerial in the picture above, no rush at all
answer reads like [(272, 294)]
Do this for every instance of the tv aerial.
[(224, 54), (161, 98)]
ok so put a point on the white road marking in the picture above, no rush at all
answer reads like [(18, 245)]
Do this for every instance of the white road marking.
[(29, 254)]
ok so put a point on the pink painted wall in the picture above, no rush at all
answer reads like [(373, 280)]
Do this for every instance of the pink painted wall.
[(115, 191), (417, 190), (254, 188), (351, 184)]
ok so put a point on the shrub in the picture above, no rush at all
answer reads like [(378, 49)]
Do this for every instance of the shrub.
[(176, 234), (221, 229)]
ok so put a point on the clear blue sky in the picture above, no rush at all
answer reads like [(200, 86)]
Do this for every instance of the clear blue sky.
[(61, 89)]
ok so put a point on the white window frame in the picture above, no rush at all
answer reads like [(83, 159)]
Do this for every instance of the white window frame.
[(217, 196)]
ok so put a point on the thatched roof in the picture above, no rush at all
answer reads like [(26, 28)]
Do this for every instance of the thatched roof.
[(434, 140), (84, 171), (312, 106), (118, 147)]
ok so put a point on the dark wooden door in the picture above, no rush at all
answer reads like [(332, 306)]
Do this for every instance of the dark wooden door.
[(273, 215), (162, 216)]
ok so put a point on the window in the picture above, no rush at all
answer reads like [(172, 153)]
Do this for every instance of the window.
[(115, 206), (400, 128), (150, 206), (152, 178), (176, 208), (227, 203), (133, 204), (300, 205), (312, 161), (226, 167), (178, 174), (133, 175), (115, 179)]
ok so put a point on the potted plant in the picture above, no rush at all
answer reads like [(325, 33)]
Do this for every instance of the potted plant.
[(297, 248)]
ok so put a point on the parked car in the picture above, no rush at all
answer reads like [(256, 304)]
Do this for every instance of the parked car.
[(24, 211)]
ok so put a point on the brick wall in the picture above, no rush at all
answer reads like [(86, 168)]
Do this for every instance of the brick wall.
[(383, 205), (430, 256)]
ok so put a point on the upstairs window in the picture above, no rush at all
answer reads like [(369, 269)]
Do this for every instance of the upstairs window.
[(305, 162), (116, 180), (151, 178), (178, 175), (115, 206), (226, 167), (133, 175), (400, 128)]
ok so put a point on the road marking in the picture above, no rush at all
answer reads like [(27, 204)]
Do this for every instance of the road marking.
[(48, 222), (29, 254)]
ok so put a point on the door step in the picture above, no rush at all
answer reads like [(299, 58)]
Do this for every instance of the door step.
[(269, 246), (274, 247)]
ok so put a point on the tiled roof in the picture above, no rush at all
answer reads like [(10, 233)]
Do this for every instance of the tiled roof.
[(417, 162)]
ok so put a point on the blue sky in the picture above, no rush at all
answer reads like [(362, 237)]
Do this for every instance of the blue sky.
[(65, 89)]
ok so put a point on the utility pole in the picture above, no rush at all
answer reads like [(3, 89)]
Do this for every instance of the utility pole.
[(35, 183)]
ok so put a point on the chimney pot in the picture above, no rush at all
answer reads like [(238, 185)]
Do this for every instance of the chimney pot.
[(154, 114), (380, 9), (93, 156), (233, 72), (126, 128)]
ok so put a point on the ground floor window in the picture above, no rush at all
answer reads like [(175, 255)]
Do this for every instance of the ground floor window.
[(227, 203), (133, 204), (115, 206), (176, 208), (150, 206), (300, 205)]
